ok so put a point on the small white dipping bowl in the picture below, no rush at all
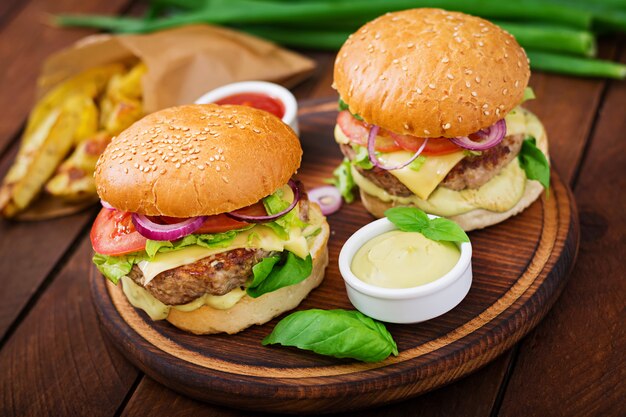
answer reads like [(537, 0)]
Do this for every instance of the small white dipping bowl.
[(273, 90), (404, 305)]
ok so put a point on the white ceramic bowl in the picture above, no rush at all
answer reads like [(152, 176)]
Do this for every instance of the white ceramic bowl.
[(404, 305), (273, 90)]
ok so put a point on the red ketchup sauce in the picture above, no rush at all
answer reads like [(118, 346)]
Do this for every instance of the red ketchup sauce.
[(258, 101)]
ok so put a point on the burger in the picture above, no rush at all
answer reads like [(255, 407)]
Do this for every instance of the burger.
[(202, 224), (430, 117)]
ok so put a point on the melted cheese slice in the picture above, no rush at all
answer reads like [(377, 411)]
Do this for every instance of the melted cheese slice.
[(424, 181), (259, 237)]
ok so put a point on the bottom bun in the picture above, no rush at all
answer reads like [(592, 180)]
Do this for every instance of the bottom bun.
[(249, 311), (475, 219)]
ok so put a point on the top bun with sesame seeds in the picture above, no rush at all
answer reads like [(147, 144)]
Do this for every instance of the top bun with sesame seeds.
[(431, 73), (197, 160)]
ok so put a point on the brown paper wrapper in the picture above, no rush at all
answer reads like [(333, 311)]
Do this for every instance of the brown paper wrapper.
[(183, 64)]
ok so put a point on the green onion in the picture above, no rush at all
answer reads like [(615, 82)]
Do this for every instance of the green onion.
[(550, 38), (584, 67), (324, 40), (254, 11)]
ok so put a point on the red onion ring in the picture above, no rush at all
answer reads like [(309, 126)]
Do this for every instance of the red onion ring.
[(321, 195), (490, 137), (371, 150), (154, 231), (295, 187), (106, 205)]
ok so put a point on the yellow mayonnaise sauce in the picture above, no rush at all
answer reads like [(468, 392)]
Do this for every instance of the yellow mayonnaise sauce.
[(399, 259)]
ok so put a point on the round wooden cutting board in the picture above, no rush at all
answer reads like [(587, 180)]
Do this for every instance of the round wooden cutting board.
[(520, 267)]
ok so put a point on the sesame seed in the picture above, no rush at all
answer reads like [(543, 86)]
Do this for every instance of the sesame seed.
[(395, 61), (426, 132), (432, 86), (211, 159), (481, 43), (477, 79), (177, 165), (505, 91), (485, 106), (200, 167), (383, 78), (217, 168), (458, 39), (446, 126), (418, 90), (410, 45), (474, 93), (450, 76), (517, 83), (467, 84), (486, 112), (460, 119), (406, 126), (445, 60), (126, 170)]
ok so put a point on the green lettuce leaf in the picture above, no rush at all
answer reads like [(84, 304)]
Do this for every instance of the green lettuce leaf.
[(338, 333), (417, 163), (342, 179), (271, 275), (529, 94), (362, 157), (215, 240), (115, 267)]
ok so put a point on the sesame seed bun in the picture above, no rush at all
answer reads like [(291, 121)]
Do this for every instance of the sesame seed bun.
[(197, 160), (431, 73), (249, 311)]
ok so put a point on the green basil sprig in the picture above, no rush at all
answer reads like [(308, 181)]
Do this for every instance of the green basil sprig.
[(534, 162), (411, 219), (276, 272), (338, 333)]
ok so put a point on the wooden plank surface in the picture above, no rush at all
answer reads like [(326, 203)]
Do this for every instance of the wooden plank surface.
[(44, 357), (58, 363), (574, 364)]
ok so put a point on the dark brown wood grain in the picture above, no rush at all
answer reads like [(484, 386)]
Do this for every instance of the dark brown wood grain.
[(58, 369), (519, 269), (58, 362), (574, 364)]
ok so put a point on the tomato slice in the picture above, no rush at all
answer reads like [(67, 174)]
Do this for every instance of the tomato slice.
[(358, 131), (113, 233), (435, 146), (220, 223)]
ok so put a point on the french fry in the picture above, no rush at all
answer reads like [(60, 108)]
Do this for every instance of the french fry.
[(89, 83), (74, 177), (121, 105), (38, 158)]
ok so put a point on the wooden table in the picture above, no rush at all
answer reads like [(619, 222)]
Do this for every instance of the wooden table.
[(55, 360)]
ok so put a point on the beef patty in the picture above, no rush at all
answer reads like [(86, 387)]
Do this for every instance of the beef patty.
[(217, 275), (470, 172)]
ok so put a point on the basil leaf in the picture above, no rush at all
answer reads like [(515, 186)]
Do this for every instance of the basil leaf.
[(362, 157), (411, 219), (342, 179), (338, 333), (261, 270), (441, 229), (407, 219), (115, 267), (289, 271), (534, 162)]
